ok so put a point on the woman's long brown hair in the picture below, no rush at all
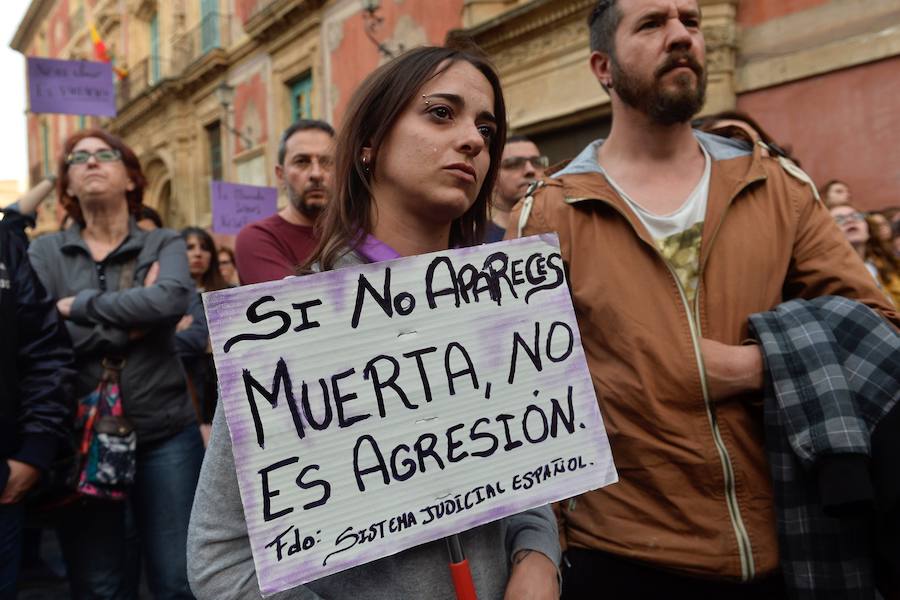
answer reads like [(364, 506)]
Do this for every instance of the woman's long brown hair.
[(887, 264), (371, 114), (212, 279)]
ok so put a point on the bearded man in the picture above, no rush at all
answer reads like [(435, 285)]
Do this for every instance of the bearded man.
[(672, 238), (274, 247)]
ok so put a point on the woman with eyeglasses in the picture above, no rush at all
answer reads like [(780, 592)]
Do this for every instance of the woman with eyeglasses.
[(121, 290), (876, 255), (416, 161)]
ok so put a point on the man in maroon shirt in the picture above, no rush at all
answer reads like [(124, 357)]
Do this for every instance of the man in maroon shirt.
[(272, 248)]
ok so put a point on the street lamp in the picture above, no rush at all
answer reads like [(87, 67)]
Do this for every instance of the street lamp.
[(371, 22), (225, 95)]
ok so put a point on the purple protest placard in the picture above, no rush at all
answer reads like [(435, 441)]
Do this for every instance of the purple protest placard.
[(71, 87), (235, 205), (400, 402)]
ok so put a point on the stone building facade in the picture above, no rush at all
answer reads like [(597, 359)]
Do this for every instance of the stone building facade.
[(276, 60), (819, 75)]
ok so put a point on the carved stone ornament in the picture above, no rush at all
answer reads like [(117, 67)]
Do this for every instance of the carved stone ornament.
[(721, 47), (535, 23), (556, 40), (143, 9)]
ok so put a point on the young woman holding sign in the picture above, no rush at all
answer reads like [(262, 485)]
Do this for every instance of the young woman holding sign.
[(416, 163)]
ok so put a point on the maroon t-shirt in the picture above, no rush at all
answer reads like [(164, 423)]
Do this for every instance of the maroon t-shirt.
[(271, 249)]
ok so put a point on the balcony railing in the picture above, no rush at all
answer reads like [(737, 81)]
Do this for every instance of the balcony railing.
[(258, 7), (139, 79), (213, 31)]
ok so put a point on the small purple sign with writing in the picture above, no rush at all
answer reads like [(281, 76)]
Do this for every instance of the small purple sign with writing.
[(71, 87), (235, 205)]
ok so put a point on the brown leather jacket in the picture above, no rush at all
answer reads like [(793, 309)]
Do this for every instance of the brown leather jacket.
[(694, 493)]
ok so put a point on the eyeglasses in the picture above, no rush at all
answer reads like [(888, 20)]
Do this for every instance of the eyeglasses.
[(517, 162), (80, 157), (854, 216)]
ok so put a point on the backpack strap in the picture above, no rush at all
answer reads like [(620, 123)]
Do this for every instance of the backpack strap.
[(791, 168)]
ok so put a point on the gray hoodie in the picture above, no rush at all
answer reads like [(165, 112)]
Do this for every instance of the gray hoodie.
[(153, 386)]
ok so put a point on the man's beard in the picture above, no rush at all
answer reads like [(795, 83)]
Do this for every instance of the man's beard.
[(663, 106), (306, 206)]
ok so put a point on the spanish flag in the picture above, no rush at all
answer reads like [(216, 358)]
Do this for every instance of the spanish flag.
[(101, 54)]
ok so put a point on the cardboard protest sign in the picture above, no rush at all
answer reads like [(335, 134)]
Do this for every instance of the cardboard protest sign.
[(235, 205), (378, 407), (71, 87)]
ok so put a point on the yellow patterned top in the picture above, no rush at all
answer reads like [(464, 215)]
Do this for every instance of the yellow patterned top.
[(682, 252)]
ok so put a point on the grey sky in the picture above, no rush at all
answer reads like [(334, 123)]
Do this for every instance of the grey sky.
[(14, 148)]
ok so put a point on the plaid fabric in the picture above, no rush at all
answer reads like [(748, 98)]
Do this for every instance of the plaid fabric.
[(833, 370)]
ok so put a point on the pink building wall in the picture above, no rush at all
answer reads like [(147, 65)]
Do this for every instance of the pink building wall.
[(357, 56), (754, 12), (843, 125)]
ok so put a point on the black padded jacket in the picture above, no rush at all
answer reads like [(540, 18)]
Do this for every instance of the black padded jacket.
[(36, 361)]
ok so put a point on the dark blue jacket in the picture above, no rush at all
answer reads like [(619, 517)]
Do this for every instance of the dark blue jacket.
[(35, 362)]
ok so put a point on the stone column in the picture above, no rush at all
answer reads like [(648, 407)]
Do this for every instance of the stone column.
[(189, 201), (721, 33)]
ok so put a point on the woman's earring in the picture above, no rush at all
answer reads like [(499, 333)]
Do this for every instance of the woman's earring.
[(365, 162)]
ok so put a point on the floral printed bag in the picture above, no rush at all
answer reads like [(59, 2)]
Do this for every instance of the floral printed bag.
[(108, 443)]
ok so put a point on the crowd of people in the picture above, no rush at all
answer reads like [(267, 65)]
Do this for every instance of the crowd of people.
[(699, 255)]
